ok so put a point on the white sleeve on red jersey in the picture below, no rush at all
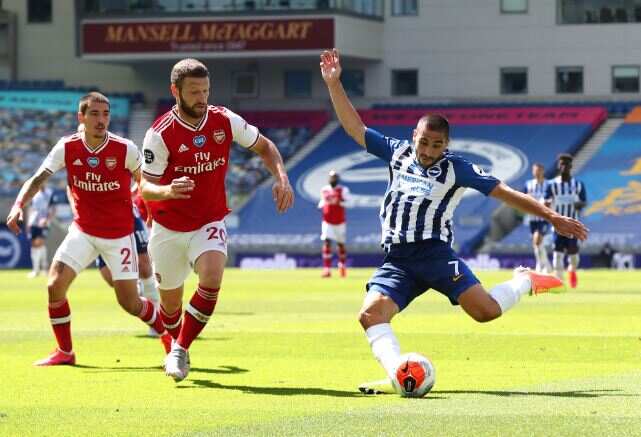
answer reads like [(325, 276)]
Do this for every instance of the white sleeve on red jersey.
[(133, 160), (345, 194), (155, 153), (243, 133), (55, 160)]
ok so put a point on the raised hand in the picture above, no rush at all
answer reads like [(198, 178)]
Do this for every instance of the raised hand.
[(330, 66), (283, 196)]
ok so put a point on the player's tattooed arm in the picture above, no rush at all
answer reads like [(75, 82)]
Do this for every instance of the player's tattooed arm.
[(28, 190), (281, 191), (330, 66)]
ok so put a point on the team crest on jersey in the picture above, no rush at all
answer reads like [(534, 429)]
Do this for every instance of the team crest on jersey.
[(435, 171), (219, 136), (93, 161), (110, 162), (199, 140)]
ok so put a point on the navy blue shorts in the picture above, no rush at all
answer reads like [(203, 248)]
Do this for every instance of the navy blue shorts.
[(565, 244), (142, 240), (37, 232), (539, 225), (411, 269)]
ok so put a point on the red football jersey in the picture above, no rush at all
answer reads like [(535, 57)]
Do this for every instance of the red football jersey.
[(99, 180), (332, 203), (174, 148)]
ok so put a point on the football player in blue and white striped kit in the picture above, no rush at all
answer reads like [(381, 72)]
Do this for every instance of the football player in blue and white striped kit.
[(536, 187), (567, 196), (426, 183)]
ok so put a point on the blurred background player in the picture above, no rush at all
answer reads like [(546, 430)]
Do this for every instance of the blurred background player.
[(333, 198), (426, 184), (41, 212), (186, 156), (100, 166), (567, 196), (535, 187)]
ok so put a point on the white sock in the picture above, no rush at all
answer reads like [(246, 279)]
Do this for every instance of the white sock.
[(545, 261), (557, 260), (44, 262), (384, 346), (149, 290), (35, 259), (507, 294), (574, 261), (537, 258)]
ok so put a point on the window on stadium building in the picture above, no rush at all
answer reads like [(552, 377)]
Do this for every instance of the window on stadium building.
[(404, 82), (353, 82), (404, 7), (298, 83), (625, 79), (245, 84), (514, 80), (598, 11), (514, 6), (569, 80), (39, 11)]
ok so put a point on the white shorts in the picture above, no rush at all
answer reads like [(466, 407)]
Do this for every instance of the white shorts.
[(79, 249), (333, 232), (173, 253)]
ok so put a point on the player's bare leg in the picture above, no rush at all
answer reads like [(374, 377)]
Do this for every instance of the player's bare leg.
[(60, 278), (327, 259), (128, 298), (106, 275), (342, 257), (540, 253)]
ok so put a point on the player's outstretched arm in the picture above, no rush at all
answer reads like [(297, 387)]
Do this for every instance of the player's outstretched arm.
[(179, 188), (282, 191), (28, 190), (566, 226), (330, 67)]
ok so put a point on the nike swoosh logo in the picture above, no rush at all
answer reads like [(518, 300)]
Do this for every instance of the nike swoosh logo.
[(456, 278)]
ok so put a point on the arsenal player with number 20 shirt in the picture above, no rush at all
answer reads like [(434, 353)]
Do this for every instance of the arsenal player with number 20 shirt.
[(186, 154), (100, 166)]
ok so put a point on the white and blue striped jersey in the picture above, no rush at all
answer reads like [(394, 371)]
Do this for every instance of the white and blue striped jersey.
[(40, 207), (419, 203), (537, 190), (564, 195)]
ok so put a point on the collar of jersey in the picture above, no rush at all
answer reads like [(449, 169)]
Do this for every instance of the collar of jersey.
[(97, 149), (187, 124)]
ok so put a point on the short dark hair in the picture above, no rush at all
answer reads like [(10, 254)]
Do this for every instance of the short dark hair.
[(565, 157), (436, 122), (87, 99), (188, 67)]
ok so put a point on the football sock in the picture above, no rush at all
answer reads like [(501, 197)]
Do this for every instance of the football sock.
[(60, 317), (385, 346), (327, 256), (171, 321), (43, 258), (557, 260), (35, 259), (507, 294), (342, 255), (149, 290), (151, 316), (197, 314), (574, 261), (537, 258), (543, 257)]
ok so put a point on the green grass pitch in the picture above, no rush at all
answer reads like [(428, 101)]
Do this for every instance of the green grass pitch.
[(284, 353)]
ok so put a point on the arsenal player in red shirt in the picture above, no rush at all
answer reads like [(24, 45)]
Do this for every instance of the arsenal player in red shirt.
[(186, 155), (100, 166), (333, 227)]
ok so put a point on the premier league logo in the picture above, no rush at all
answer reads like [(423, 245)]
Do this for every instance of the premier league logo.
[(199, 140), (93, 161)]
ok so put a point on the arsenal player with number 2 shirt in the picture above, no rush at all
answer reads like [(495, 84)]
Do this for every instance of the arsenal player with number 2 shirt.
[(100, 167), (186, 155)]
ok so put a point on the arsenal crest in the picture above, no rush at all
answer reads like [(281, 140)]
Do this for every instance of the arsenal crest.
[(110, 162), (219, 136)]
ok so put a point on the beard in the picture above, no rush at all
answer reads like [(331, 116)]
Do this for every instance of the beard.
[(191, 111)]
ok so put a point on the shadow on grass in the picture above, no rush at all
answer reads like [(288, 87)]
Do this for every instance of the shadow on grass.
[(559, 394), (274, 391), (197, 340), (221, 370)]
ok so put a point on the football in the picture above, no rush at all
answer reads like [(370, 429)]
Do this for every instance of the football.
[(415, 376)]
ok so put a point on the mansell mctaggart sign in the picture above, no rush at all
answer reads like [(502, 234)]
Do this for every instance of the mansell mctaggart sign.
[(105, 38)]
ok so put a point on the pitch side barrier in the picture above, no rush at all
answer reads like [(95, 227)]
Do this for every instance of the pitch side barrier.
[(504, 141)]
